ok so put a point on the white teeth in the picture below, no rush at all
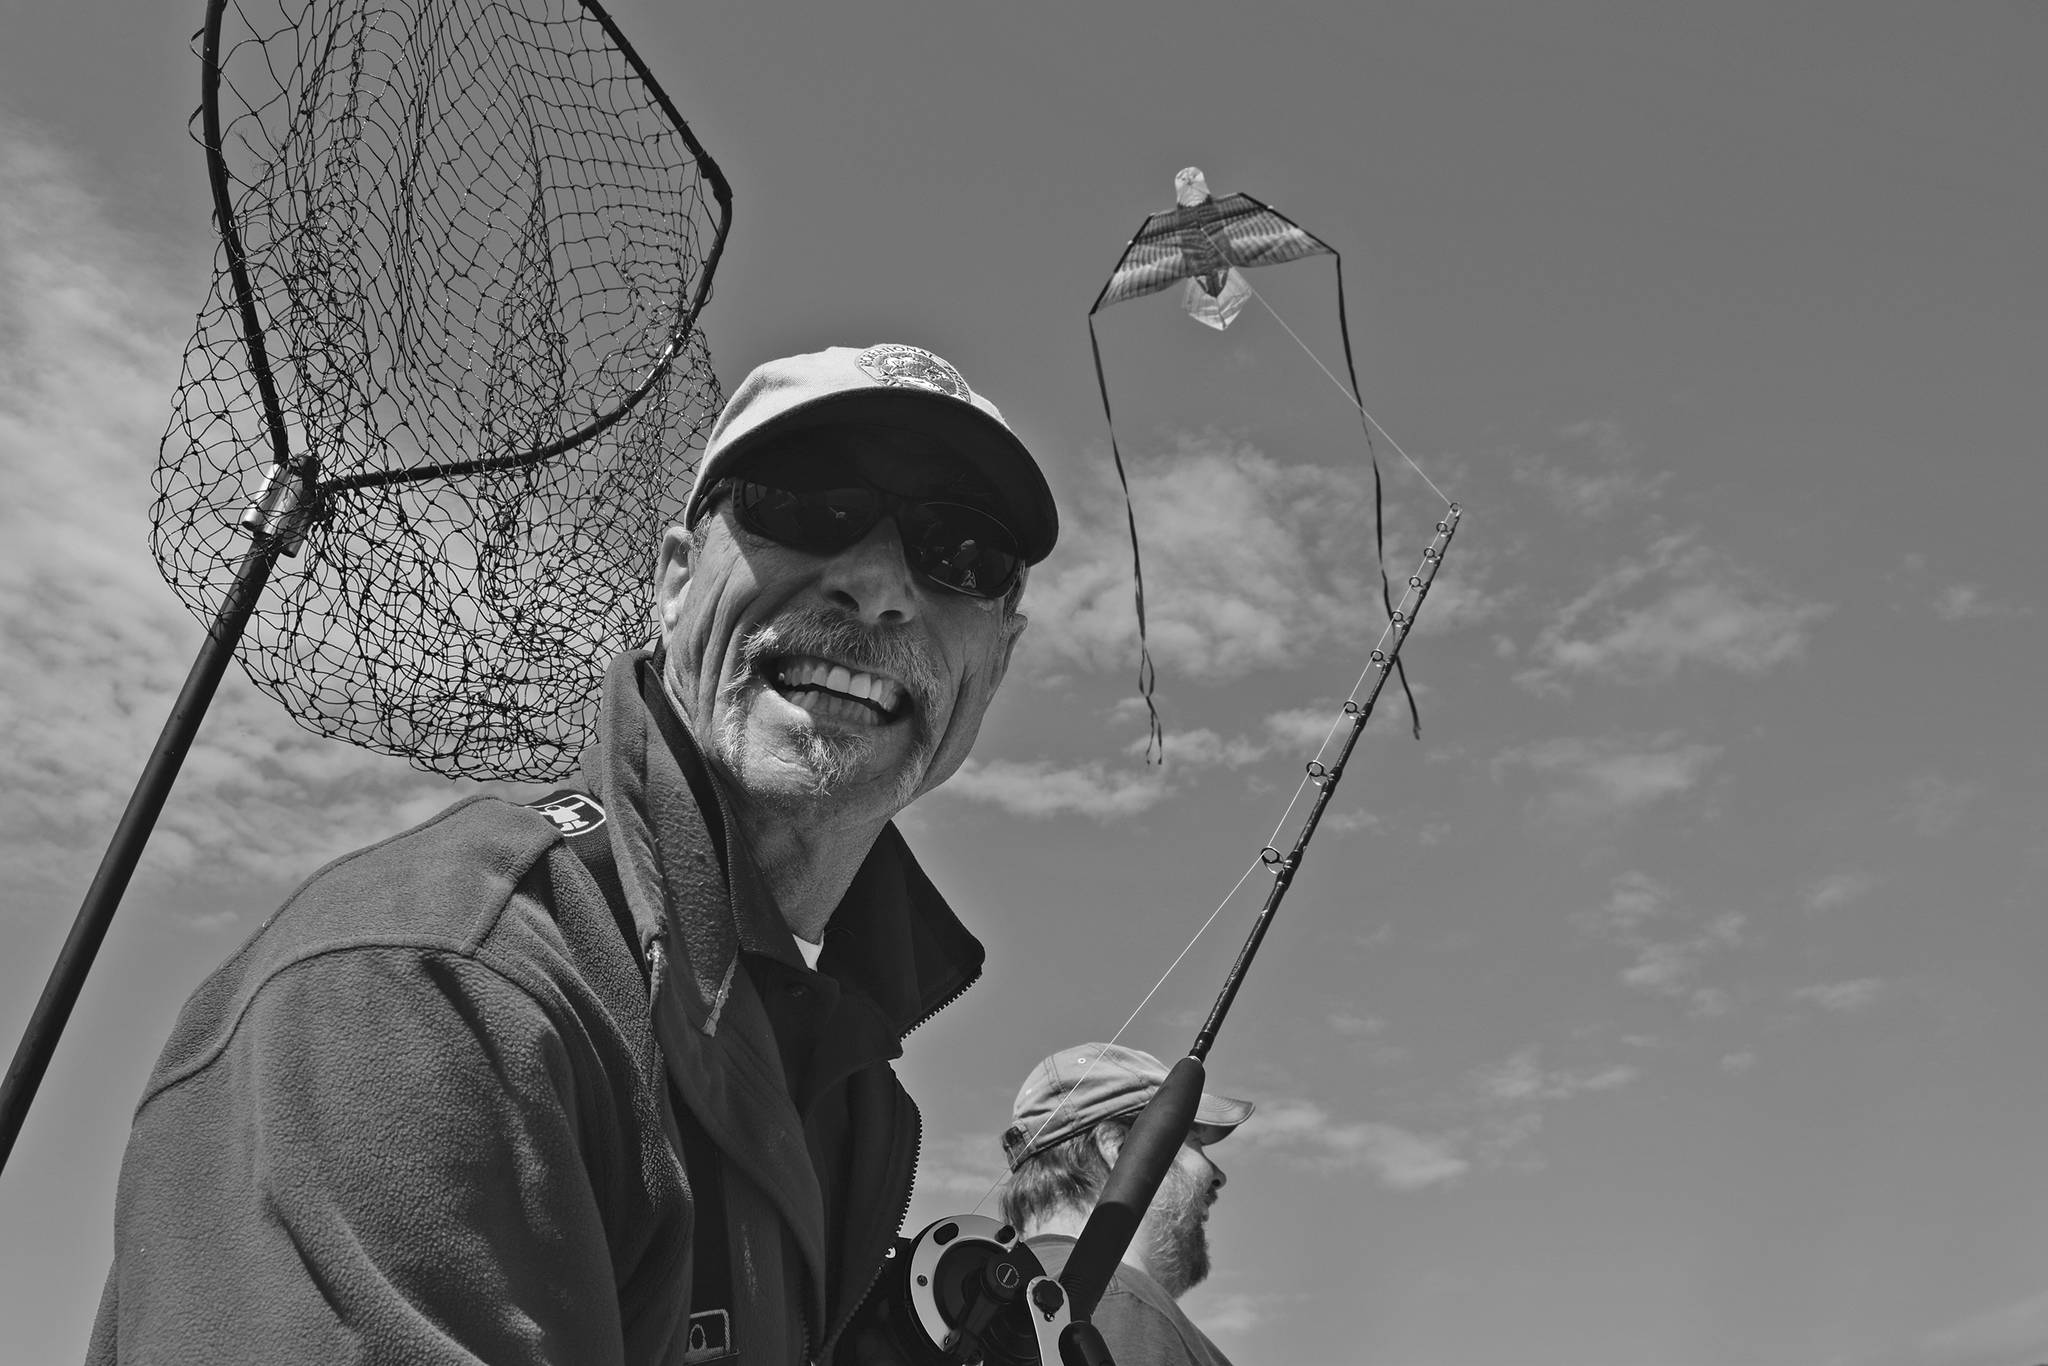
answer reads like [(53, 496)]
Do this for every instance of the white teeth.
[(816, 673)]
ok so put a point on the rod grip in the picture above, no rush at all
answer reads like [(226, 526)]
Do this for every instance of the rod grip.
[(1082, 1345), (1148, 1154)]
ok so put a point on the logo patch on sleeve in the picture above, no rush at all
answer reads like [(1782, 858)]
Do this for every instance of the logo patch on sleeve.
[(710, 1337), (572, 812)]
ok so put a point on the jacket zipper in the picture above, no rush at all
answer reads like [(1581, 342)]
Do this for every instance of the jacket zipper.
[(902, 1212), (955, 994), (910, 1187)]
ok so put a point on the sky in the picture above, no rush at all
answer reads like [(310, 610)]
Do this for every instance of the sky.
[(1670, 1002)]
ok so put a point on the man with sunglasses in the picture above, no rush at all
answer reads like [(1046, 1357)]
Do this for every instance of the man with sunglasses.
[(607, 1078)]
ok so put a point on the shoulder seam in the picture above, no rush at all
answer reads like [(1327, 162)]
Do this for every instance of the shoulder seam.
[(439, 947)]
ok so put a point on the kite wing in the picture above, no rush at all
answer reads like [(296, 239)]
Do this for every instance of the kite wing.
[(1249, 233), (1156, 257)]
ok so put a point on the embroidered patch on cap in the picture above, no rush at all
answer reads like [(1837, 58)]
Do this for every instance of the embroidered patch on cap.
[(710, 1337), (912, 367), (572, 812)]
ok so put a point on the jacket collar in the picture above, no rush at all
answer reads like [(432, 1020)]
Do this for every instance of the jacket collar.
[(893, 937)]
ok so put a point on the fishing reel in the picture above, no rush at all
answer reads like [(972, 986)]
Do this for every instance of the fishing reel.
[(967, 1290)]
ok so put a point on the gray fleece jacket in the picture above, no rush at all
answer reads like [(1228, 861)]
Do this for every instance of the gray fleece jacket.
[(426, 1113)]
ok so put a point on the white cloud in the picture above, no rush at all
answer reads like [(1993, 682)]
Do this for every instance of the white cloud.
[(1838, 889), (1708, 1002), (1952, 600), (1610, 485), (1297, 732), (1736, 1064), (1935, 806), (1700, 609), (1668, 968), (1842, 996), (1042, 788), (1399, 1158), (91, 335), (1669, 965), (1632, 899), (1523, 1078), (1354, 1026), (1249, 564), (2009, 1332), (1590, 780), (1969, 602), (1203, 748), (1351, 822), (1305, 728), (1662, 968)]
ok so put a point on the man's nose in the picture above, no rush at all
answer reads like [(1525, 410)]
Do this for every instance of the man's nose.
[(872, 580)]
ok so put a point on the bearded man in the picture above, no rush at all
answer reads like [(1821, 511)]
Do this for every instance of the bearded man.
[(1067, 1126), (605, 1079)]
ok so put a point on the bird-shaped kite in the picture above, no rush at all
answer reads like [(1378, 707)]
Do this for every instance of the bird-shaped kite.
[(1207, 242)]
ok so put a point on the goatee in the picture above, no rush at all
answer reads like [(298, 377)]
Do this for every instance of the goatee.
[(833, 757)]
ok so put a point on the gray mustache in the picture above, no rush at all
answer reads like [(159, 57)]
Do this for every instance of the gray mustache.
[(810, 631)]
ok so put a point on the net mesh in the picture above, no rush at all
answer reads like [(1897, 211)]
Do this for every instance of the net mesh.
[(475, 235)]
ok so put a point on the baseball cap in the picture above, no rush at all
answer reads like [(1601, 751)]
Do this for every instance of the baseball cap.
[(887, 385), (1078, 1088)]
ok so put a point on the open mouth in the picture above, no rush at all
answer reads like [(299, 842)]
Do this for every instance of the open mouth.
[(834, 692)]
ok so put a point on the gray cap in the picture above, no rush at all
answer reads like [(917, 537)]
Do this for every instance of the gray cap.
[(886, 385), (1078, 1088)]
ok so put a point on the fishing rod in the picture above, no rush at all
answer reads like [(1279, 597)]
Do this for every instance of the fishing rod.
[(968, 1289)]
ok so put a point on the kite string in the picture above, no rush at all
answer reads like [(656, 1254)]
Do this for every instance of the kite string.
[(1410, 603), (1349, 397), (1137, 1010)]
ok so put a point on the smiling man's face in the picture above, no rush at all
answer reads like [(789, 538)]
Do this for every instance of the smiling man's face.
[(840, 686)]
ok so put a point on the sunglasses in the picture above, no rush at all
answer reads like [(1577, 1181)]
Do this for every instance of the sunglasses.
[(959, 548)]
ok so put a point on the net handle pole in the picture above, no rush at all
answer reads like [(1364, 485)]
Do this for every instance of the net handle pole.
[(74, 961)]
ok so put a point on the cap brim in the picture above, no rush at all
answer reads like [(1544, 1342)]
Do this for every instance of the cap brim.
[(990, 448), (1216, 1116)]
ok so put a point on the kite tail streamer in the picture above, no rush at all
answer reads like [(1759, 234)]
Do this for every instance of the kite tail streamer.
[(1378, 520), (1155, 745)]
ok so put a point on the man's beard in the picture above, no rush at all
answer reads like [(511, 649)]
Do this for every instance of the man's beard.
[(1177, 1235), (832, 758)]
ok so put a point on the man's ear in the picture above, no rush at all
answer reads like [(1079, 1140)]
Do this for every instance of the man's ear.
[(672, 574), (1109, 1141), (1013, 631)]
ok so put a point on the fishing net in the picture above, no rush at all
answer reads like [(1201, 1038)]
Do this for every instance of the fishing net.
[(464, 245)]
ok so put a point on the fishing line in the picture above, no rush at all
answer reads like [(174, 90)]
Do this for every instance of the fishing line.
[(1318, 773), (1136, 1011), (1349, 397)]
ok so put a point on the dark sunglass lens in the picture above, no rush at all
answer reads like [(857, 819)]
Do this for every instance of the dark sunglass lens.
[(818, 520), (961, 548), (953, 545)]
